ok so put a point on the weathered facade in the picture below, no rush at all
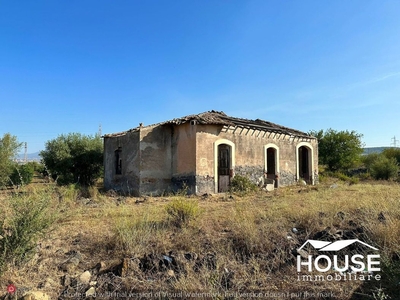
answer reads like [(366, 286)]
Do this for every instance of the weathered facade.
[(204, 152)]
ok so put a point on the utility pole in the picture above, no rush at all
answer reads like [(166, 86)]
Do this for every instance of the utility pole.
[(99, 133), (26, 152), (394, 144)]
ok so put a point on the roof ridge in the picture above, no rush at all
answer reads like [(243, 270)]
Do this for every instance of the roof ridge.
[(220, 118)]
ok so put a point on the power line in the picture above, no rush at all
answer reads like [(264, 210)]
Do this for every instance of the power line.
[(394, 144)]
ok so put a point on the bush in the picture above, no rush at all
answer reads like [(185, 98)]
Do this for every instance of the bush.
[(181, 210), (242, 184), (28, 219), (342, 177), (384, 168), (369, 159), (365, 176), (354, 180), (37, 167), (22, 174), (392, 153)]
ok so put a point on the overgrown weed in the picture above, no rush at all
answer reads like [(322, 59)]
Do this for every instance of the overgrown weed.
[(182, 210), (135, 233), (25, 218)]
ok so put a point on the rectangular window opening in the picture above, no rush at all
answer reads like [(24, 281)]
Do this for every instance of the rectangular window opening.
[(118, 161)]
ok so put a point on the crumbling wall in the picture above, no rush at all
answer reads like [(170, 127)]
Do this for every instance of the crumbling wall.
[(155, 160), (128, 181), (249, 154), (183, 157), (158, 159)]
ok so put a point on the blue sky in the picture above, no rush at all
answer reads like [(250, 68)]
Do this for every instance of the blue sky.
[(69, 66)]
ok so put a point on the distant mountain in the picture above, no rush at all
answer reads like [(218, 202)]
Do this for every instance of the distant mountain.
[(30, 156), (369, 150)]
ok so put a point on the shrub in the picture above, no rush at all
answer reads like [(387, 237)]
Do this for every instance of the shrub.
[(369, 159), (392, 153), (183, 191), (384, 168), (365, 176), (354, 180), (242, 184), (70, 193), (135, 234), (342, 177), (22, 174), (38, 168), (27, 220), (73, 192), (181, 211)]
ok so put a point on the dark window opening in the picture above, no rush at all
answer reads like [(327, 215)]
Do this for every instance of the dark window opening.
[(118, 161)]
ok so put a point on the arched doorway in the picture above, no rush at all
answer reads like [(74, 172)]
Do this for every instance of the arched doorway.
[(271, 166), (304, 165), (224, 164), (304, 158)]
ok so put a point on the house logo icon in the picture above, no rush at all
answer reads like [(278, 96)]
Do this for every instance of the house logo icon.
[(333, 246), (338, 258)]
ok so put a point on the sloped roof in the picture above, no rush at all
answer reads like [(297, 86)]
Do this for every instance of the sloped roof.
[(220, 118)]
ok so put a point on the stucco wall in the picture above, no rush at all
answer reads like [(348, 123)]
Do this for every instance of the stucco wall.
[(168, 156), (128, 180), (155, 159), (249, 154), (183, 157)]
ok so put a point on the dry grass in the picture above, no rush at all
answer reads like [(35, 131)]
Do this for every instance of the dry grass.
[(236, 245)]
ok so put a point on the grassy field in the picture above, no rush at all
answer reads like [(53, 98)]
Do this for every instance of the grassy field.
[(211, 247)]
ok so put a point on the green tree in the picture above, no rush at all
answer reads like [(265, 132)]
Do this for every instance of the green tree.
[(392, 153), (9, 147), (338, 150), (74, 158)]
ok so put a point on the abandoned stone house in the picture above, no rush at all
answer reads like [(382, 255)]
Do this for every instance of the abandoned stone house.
[(204, 152)]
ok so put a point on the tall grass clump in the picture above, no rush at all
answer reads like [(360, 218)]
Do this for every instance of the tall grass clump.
[(135, 233), (69, 193), (23, 221), (73, 192), (181, 211), (249, 231), (246, 237)]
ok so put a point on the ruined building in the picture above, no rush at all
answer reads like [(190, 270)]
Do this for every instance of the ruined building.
[(204, 152)]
